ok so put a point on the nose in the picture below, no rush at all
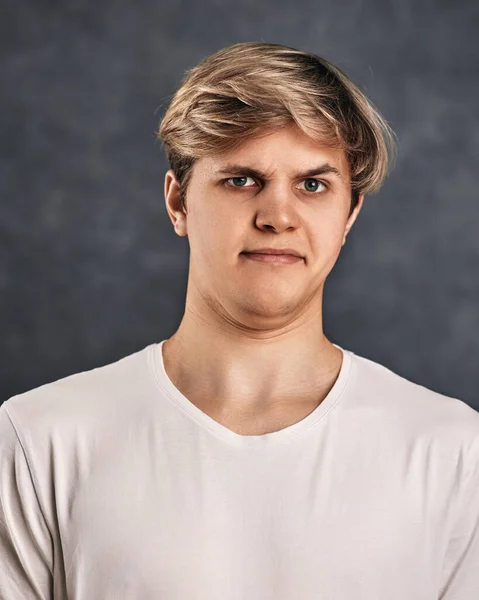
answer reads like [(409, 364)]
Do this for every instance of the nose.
[(276, 208)]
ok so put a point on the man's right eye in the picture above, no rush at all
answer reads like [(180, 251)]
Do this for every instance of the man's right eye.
[(239, 181)]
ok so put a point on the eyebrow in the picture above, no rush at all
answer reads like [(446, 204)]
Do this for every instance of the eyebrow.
[(235, 169)]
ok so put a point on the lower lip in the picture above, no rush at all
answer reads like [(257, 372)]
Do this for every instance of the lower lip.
[(283, 259)]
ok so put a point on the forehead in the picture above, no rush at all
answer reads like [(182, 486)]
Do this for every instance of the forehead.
[(287, 150)]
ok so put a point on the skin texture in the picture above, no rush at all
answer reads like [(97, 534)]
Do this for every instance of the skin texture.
[(250, 350)]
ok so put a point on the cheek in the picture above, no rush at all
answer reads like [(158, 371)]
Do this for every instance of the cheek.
[(215, 236), (328, 235)]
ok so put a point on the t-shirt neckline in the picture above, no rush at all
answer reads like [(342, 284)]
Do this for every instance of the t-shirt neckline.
[(157, 366)]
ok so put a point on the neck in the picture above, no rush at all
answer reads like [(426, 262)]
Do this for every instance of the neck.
[(210, 365)]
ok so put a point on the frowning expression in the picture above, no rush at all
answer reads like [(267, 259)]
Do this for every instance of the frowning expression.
[(279, 191)]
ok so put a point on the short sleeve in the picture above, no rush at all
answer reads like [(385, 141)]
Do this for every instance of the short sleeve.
[(26, 552), (461, 567)]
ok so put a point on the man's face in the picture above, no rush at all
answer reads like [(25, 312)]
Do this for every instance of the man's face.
[(231, 211)]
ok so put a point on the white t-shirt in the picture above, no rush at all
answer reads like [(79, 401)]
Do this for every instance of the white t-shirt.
[(113, 485)]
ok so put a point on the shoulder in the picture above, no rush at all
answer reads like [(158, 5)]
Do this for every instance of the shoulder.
[(86, 395), (415, 408)]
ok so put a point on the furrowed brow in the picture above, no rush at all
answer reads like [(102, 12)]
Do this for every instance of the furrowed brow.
[(325, 169), (235, 170), (241, 170)]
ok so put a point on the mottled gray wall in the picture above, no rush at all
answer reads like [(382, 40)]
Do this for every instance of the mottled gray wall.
[(90, 267)]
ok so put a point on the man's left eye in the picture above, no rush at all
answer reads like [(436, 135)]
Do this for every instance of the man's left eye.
[(316, 184)]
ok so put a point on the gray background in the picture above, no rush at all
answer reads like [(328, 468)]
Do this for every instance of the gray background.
[(90, 267)]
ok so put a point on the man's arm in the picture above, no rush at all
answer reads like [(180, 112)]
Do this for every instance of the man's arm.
[(461, 566), (26, 551)]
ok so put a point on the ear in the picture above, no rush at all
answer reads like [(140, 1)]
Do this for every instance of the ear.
[(173, 203), (353, 217)]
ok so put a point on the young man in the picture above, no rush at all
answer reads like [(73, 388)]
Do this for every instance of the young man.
[(247, 456)]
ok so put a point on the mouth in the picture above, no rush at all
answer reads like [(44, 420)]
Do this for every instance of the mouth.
[(281, 259)]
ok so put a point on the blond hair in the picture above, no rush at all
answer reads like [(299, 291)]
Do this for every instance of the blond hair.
[(249, 88)]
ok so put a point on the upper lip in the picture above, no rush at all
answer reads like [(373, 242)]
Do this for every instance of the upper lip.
[(274, 251)]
